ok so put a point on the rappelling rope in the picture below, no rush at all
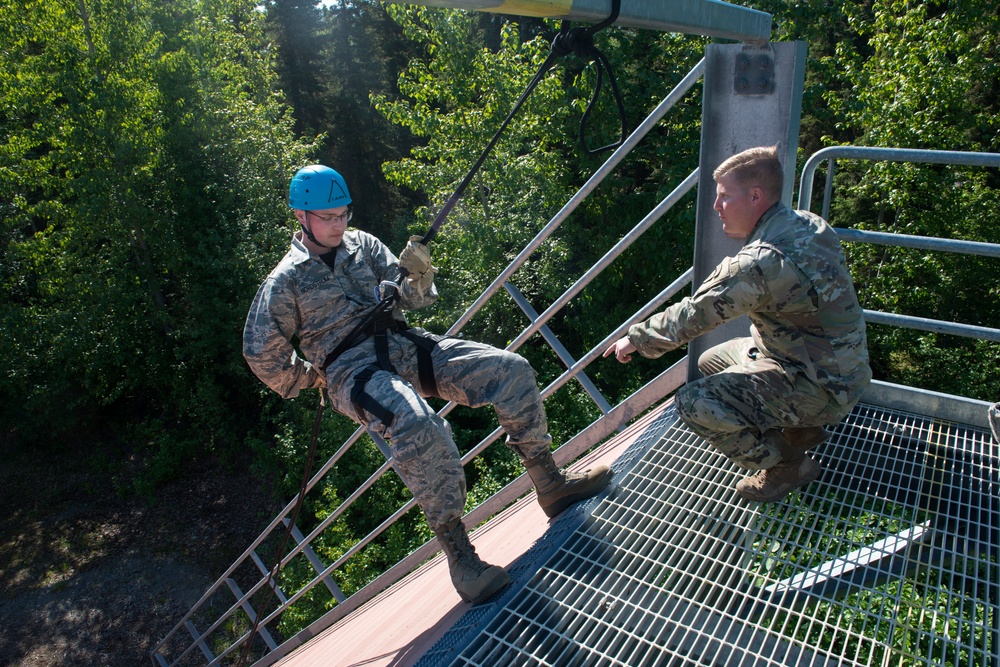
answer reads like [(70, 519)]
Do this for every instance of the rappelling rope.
[(272, 578), (577, 41)]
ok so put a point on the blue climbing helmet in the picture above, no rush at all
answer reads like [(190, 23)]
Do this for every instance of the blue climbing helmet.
[(316, 188)]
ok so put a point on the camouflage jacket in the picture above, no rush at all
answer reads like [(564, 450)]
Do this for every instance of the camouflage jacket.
[(791, 279), (305, 307)]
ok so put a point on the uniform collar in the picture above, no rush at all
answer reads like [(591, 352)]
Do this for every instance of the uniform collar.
[(768, 214), (300, 253)]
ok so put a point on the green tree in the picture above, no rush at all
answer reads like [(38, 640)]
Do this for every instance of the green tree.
[(303, 73), (329, 62), (455, 99), (366, 50), (929, 83), (909, 75), (142, 169)]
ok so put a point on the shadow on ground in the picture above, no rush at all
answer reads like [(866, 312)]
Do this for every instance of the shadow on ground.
[(91, 578)]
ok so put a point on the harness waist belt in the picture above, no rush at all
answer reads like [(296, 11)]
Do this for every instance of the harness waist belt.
[(380, 325), (382, 322)]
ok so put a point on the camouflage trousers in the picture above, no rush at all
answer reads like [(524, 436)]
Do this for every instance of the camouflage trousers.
[(745, 398), (423, 450)]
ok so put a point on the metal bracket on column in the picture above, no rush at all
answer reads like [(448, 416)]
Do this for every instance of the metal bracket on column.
[(754, 74)]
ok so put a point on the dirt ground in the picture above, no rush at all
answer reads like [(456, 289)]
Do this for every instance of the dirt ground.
[(91, 577)]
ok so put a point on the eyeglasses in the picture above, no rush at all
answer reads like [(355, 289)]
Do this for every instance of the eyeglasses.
[(343, 217)]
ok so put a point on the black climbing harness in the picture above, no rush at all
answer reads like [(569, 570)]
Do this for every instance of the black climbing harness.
[(379, 321), (425, 343)]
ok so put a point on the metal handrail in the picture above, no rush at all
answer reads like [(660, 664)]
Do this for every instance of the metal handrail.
[(958, 246), (831, 153), (920, 242), (575, 446), (934, 326), (640, 132)]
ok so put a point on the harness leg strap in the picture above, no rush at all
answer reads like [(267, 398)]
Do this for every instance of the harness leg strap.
[(425, 343), (364, 401), (382, 351)]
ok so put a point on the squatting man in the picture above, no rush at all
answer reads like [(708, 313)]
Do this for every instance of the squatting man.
[(765, 400), (297, 337)]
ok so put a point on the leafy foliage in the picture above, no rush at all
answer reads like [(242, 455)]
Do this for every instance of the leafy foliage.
[(927, 85), (143, 165), (910, 75)]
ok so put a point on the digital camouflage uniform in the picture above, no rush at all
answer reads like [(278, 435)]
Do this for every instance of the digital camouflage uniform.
[(304, 300), (806, 361)]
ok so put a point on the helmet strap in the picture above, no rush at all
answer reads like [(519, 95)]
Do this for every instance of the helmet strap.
[(309, 235)]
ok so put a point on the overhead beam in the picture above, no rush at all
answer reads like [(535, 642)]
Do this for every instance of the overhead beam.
[(711, 18)]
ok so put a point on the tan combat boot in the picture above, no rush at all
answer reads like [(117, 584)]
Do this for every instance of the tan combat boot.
[(558, 489), (805, 438), (474, 580), (795, 469)]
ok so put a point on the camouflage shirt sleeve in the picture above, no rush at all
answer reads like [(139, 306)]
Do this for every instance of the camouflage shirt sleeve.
[(271, 326), (736, 287), (304, 309)]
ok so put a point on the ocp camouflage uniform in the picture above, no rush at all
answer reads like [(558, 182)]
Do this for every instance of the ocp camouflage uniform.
[(303, 300), (806, 361)]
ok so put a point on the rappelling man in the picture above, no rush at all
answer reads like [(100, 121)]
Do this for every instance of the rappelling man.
[(298, 336)]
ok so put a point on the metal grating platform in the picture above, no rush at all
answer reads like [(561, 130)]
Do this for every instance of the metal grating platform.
[(891, 558)]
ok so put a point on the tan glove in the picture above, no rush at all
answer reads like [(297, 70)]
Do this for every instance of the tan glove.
[(415, 260), (317, 378)]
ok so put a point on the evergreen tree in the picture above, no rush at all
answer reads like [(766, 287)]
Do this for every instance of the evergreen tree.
[(366, 52), (330, 61), (296, 28)]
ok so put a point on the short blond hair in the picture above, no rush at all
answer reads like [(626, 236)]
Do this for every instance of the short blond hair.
[(755, 167)]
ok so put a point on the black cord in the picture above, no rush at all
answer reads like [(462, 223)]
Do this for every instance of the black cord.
[(450, 204), (580, 42), (272, 579)]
